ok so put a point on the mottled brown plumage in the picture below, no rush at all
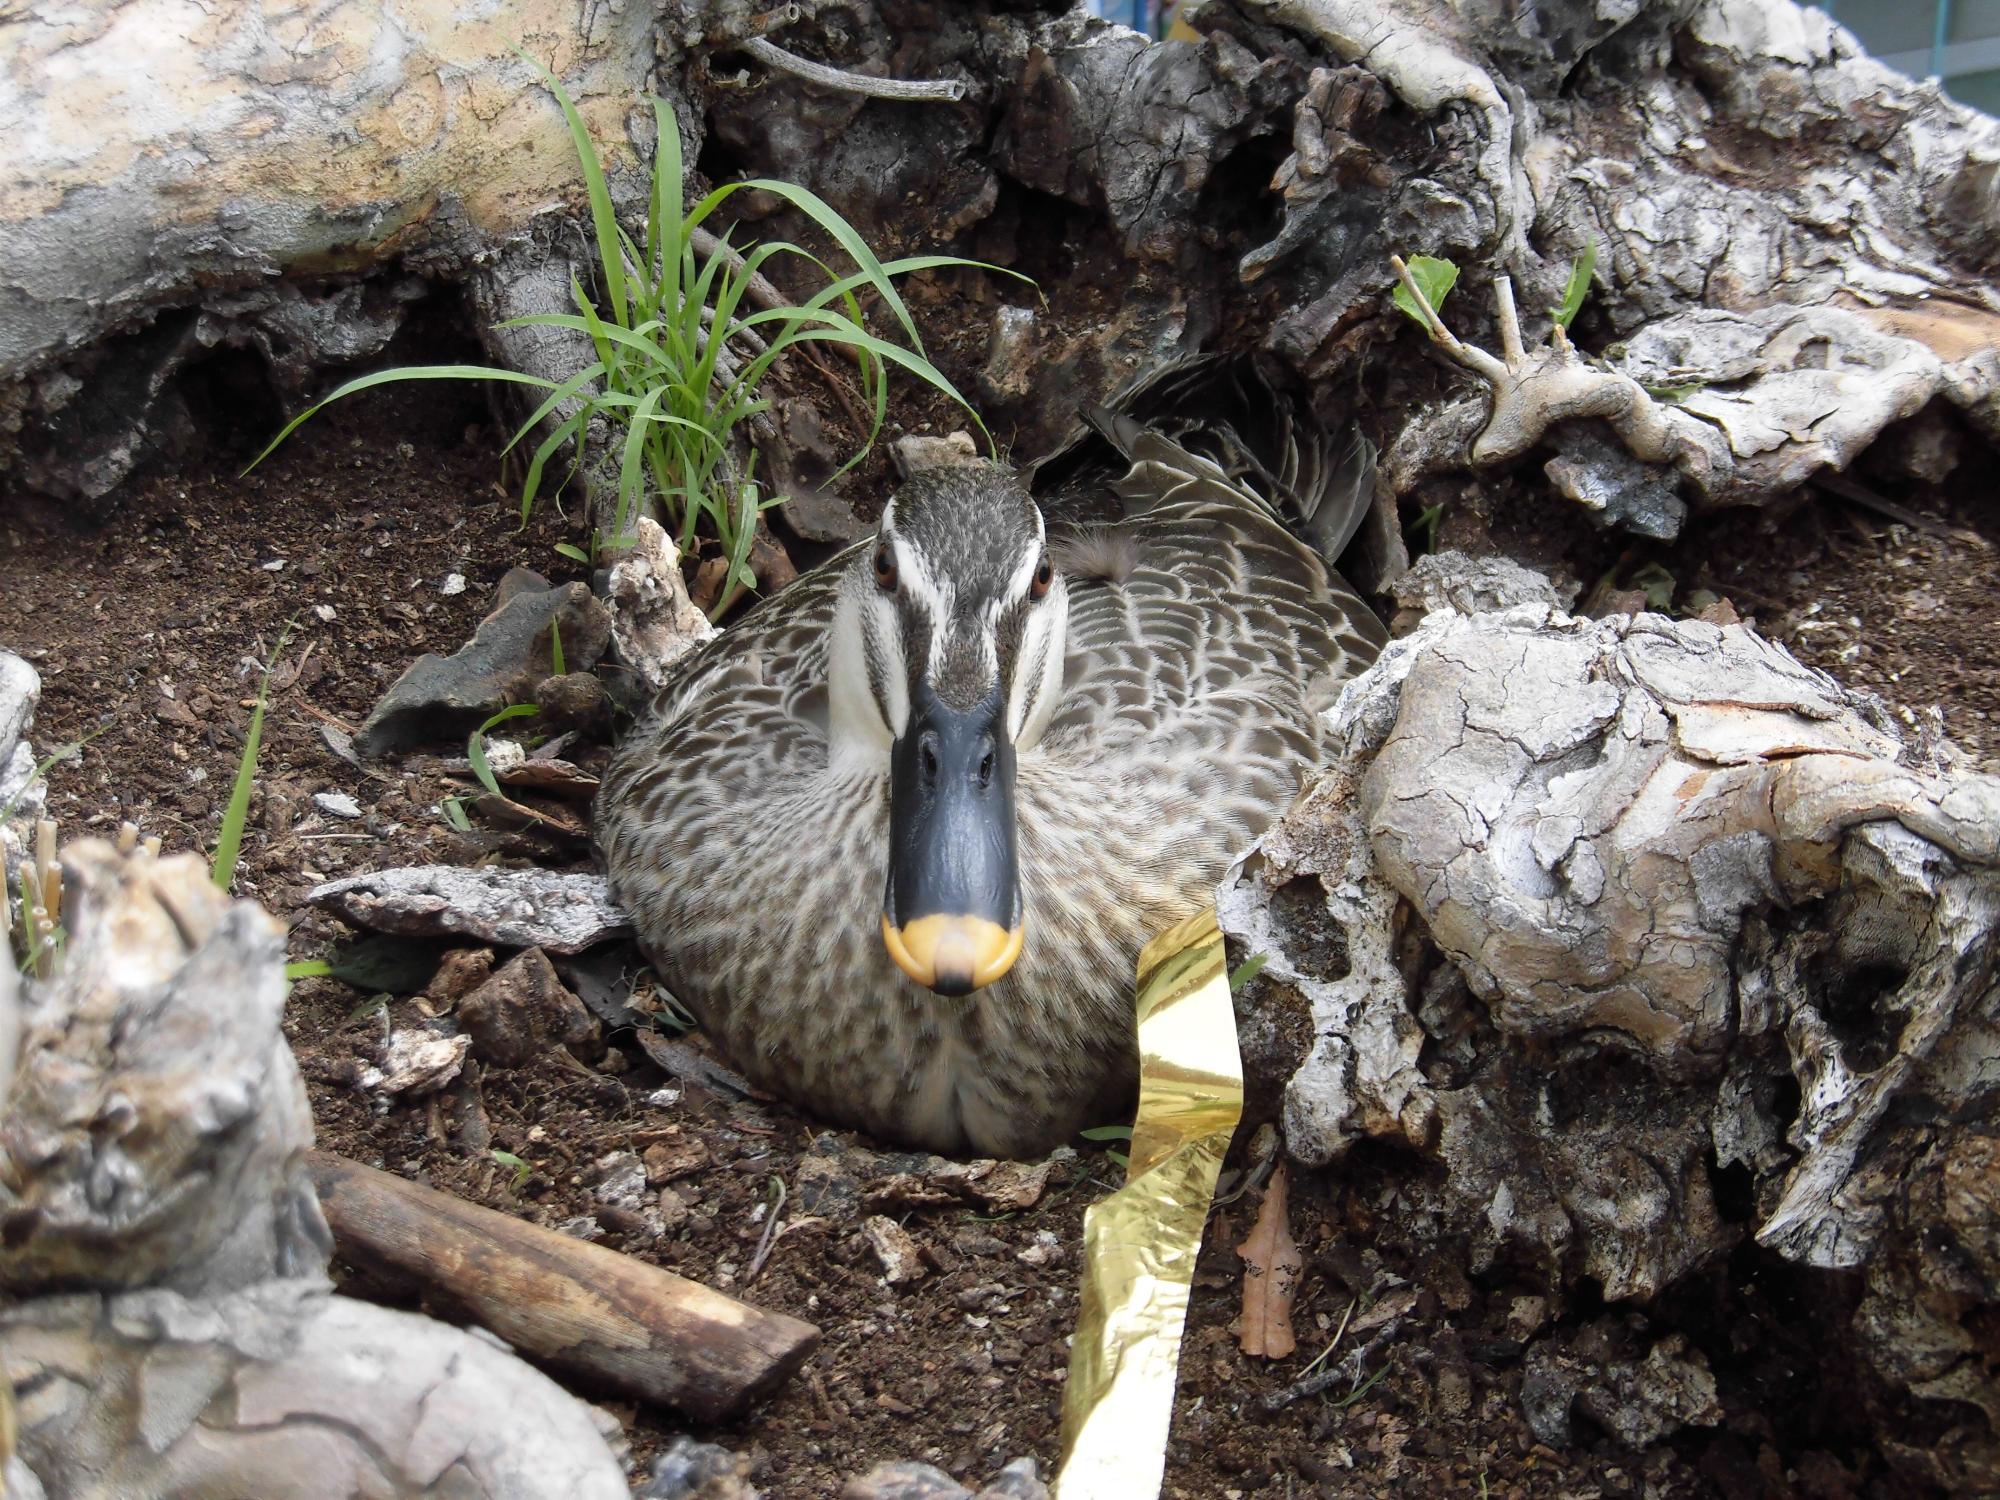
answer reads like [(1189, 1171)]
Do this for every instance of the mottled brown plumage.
[(746, 829)]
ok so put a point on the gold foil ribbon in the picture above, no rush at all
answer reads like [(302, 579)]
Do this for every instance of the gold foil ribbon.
[(1139, 1245)]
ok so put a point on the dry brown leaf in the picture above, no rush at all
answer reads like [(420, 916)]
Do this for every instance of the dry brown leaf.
[(1270, 1276)]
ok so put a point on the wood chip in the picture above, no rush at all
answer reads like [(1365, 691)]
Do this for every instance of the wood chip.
[(900, 1258), (1270, 1277), (688, 1062)]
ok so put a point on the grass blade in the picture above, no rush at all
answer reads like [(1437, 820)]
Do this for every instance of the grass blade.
[(1578, 287), (229, 839), (388, 377), (475, 747), (603, 221)]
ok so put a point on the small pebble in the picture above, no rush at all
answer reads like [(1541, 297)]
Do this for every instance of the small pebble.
[(454, 583), (325, 613), (275, 565)]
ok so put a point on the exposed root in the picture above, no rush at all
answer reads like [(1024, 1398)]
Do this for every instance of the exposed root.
[(1535, 390)]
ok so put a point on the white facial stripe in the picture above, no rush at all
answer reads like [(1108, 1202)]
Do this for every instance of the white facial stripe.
[(1020, 578), (887, 635), (937, 596), (856, 731), (1038, 670), (868, 695)]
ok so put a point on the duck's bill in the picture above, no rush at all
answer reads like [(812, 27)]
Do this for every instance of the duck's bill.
[(951, 916), (953, 955)]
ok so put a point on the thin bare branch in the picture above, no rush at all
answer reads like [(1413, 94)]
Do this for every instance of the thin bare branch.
[(941, 90)]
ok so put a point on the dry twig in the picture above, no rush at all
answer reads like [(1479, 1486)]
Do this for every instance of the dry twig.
[(768, 52)]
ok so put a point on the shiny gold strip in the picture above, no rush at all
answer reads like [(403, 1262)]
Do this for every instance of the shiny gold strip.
[(1139, 1245)]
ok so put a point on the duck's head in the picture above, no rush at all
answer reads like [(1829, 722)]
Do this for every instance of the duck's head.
[(946, 660)]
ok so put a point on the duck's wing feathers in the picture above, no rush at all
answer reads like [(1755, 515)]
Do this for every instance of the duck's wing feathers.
[(1200, 622), (762, 682), (1251, 424)]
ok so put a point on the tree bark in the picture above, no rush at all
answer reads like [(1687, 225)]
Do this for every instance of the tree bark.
[(170, 1331), (1676, 875), (193, 176)]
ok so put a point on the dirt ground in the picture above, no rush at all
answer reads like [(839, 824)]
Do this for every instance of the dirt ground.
[(149, 633)]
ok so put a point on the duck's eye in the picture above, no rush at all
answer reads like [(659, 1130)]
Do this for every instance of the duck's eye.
[(885, 569), (1045, 574)]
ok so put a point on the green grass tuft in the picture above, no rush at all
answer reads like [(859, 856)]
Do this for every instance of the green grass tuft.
[(659, 320)]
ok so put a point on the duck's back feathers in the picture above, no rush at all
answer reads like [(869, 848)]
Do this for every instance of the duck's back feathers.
[(1247, 424)]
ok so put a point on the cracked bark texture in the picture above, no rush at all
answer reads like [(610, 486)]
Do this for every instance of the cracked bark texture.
[(1797, 244), (1702, 910), (193, 177), (1796, 240), (170, 1330)]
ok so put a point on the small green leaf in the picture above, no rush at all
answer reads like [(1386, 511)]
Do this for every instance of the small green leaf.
[(1107, 1133), (308, 968), (453, 809), (521, 1170), (555, 649), (1246, 971), (1578, 287), (1673, 394), (573, 552), (1656, 583), (1434, 278)]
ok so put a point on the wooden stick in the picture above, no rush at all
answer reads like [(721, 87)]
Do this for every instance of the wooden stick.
[(579, 1308)]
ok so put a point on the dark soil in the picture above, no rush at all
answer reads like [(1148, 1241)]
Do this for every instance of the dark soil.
[(149, 634)]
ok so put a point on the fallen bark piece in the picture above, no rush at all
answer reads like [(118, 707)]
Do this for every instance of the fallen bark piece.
[(841, 1179), (446, 697), (523, 1011), (576, 1307), (416, 1062), (897, 1252), (687, 1060), (653, 622), (511, 908), (675, 1156), (1001, 1186), (559, 778), (1271, 1266)]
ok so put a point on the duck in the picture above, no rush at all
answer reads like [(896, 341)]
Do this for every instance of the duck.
[(897, 837)]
